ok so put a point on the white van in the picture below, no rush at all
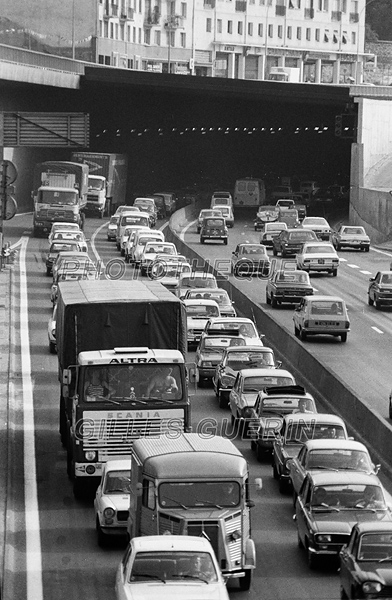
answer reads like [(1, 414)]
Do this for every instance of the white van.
[(249, 193), (221, 199), (139, 243), (131, 218)]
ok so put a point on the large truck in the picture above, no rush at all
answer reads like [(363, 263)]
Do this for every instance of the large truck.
[(59, 194), (121, 335), (195, 485), (107, 180), (288, 74)]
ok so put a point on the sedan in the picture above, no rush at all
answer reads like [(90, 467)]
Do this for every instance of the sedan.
[(328, 506), (111, 503), (349, 236), (318, 257), (290, 241), (245, 326), (246, 387), (61, 235), (317, 315), (271, 230), (366, 562), (56, 248), (210, 350), (336, 455), (234, 360), (250, 259), (319, 225), (220, 296), (287, 287), (380, 289)]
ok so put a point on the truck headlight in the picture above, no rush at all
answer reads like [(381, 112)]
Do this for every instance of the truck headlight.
[(371, 587), (90, 455), (323, 538)]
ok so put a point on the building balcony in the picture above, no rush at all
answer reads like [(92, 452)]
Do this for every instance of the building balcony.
[(336, 15), (173, 22), (151, 19), (240, 6), (354, 17), (309, 13)]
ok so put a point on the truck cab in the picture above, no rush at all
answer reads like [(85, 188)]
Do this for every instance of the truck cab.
[(190, 485), (96, 195)]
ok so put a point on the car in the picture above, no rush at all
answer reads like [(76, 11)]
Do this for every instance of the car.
[(280, 191), (308, 187), (247, 384), (126, 233), (210, 350), (169, 202), (169, 269), (318, 257), (125, 208), (266, 416), (271, 230), (297, 429), (235, 359), (245, 326), (220, 296), (266, 213), (111, 229), (204, 213), (221, 199), (227, 213), (58, 247), (193, 281), (58, 225), (335, 455), (69, 272), (321, 315), (198, 311), (319, 225), (289, 241), (351, 236), (294, 201), (365, 562), (52, 331), (380, 289), (111, 502), (287, 287), (133, 218), (330, 504), (214, 228), (250, 259), (137, 241), (74, 258), (147, 204), (183, 566), (61, 235), (149, 254), (289, 216)]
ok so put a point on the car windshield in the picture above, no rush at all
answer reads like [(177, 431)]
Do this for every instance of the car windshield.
[(199, 494), (274, 227), (252, 250), (249, 360), (254, 384), (134, 219), (63, 247), (143, 240), (117, 482), (114, 219), (293, 277), (201, 311), (173, 565), (376, 547), (215, 222), (201, 281), (301, 235), (286, 405), (212, 344), (386, 278), (339, 458), (319, 249), (354, 230), (304, 430), (348, 496), (315, 221), (160, 248), (245, 329), (326, 307)]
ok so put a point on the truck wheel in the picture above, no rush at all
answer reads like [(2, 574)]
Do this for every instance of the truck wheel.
[(52, 347), (246, 580), (343, 337), (48, 271), (370, 301)]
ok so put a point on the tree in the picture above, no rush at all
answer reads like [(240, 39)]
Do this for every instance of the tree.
[(379, 19)]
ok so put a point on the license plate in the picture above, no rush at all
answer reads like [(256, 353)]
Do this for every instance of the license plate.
[(327, 324), (321, 261)]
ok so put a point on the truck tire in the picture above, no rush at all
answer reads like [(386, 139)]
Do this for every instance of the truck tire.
[(246, 581)]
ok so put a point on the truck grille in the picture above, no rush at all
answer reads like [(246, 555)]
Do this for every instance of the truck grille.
[(169, 523), (209, 528), (233, 523)]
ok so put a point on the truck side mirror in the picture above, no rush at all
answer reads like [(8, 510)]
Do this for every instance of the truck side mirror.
[(258, 483), (139, 489), (67, 377)]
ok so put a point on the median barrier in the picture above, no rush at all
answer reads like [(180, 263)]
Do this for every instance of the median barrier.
[(365, 424)]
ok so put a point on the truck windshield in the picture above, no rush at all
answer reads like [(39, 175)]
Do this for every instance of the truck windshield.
[(199, 494), (57, 197), (133, 383), (96, 184)]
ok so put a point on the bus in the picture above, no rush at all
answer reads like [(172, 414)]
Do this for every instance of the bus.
[(249, 193)]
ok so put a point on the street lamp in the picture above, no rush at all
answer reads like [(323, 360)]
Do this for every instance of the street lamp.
[(269, 2)]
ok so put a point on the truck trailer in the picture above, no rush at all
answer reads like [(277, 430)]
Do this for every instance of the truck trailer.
[(107, 180)]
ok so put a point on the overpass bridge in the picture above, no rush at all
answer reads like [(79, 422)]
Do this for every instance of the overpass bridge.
[(180, 130)]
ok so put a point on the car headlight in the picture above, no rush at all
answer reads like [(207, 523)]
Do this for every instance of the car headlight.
[(323, 538), (371, 587), (227, 380), (206, 363), (90, 455), (109, 513), (247, 412)]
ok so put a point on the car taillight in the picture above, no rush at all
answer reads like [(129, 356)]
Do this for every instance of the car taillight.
[(306, 324), (347, 324)]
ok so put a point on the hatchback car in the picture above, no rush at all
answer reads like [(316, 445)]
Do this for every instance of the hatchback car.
[(289, 241), (227, 213), (287, 287), (320, 315), (215, 229), (249, 260), (271, 230), (72, 257), (63, 235), (58, 247), (380, 289), (318, 257), (195, 280), (136, 218), (111, 503), (350, 236), (134, 232), (319, 225), (366, 561), (150, 252), (221, 199), (234, 360), (198, 311), (210, 351), (204, 213), (220, 296), (330, 504), (58, 225), (111, 229)]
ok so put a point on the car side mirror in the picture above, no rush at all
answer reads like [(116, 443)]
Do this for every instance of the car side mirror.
[(372, 279)]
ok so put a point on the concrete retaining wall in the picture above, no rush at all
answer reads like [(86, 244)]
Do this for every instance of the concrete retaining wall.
[(364, 423)]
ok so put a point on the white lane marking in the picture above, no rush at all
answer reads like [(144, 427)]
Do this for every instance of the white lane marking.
[(185, 229), (352, 266), (96, 254), (342, 259), (377, 330), (382, 251), (366, 272), (33, 539)]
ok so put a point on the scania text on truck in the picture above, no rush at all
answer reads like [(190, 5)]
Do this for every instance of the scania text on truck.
[(194, 485), (59, 194), (107, 180)]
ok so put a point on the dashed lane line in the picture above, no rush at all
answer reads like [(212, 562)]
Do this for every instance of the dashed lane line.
[(377, 330)]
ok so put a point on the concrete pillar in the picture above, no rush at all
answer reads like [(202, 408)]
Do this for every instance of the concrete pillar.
[(318, 71), (336, 71), (241, 66), (260, 67), (230, 66)]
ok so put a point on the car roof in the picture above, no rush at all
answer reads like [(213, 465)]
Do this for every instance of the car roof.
[(204, 275), (343, 477), (200, 302), (170, 542), (242, 349), (215, 320), (118, 465), (325, 418), (374, 526), (332, 444), (265, 372), (325, 297)]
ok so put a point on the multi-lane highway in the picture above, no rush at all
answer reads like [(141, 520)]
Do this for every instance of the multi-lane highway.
[(52, 548)]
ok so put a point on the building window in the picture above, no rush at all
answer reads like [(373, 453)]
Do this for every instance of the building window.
[(252, 1), (183, 39), (262, 2), (229, 26), (308, 34), (299, 33), (260, 30), (280, 31), (106, 29), (172, 38), (240, 27), (183, 9), (270, 31), (107, 60), (344, 6), (250, 29), (134, 35), (140, 6), (317, 35), (157, 36), (289, 32), (353, 38), (122, 32), (140, 36), (147, 36), (219, 25), (208, 25), (171, 7)]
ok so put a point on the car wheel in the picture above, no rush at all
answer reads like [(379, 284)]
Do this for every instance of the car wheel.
[(260, 454), (302, 335), (338, 246), (367, 249), (296, 331), (201, 383), (275, 471), (390, 407), (312, 560), (283, 486), (101, 536), (334, 272), (343, 337), (202, 240), (246, 580), (223, 402), (267, 299), (299, 541), (294, 498), (284, 254), (198, 230), (343, 594), (48, 271), (274, 302), (225, 242), (376, 304), (52, 347), (253, 446), (370, 300)]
